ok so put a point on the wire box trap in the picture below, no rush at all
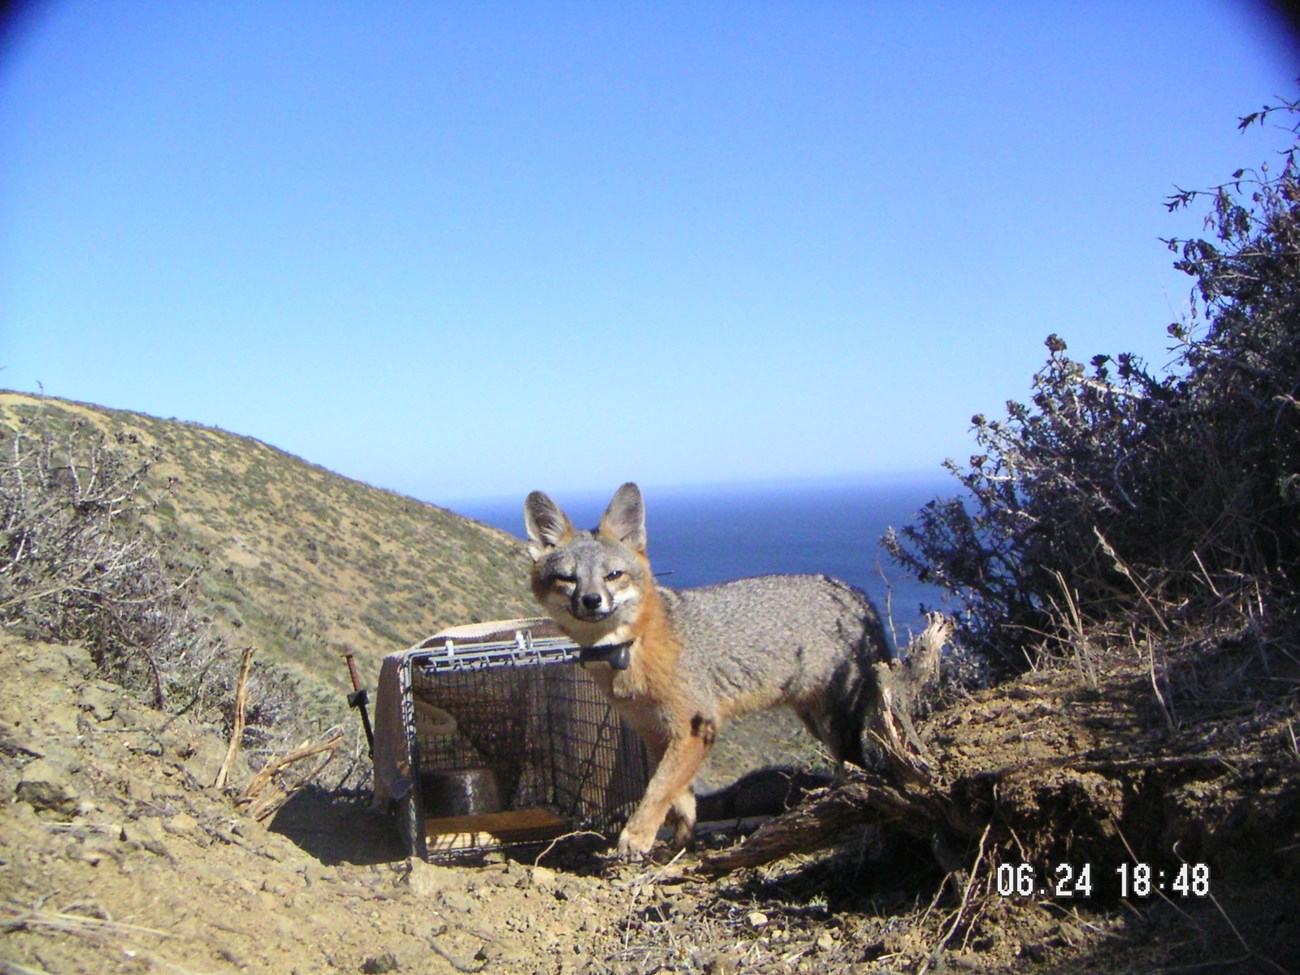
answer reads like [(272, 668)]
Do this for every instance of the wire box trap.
[(491, 735)]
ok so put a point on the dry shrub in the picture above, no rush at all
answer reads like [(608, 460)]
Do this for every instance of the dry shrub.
[(75, 565), (79, 563), (1126, 498)]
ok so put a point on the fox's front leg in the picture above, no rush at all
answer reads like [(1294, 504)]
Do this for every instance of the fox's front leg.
[(670, 787)]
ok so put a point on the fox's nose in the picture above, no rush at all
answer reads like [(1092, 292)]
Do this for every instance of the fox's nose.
[(590, 600)]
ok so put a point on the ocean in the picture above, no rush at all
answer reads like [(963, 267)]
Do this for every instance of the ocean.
[(699, 536)]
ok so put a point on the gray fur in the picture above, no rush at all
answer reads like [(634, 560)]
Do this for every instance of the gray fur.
[(808, 640)]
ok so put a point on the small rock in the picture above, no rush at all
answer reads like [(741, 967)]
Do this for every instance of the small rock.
[(315, 872), (58, 660), (23, 812), (17, 737), (140, 789), (46, 785), (503, 879), (183, 824), (100, 698), (147, 833), (414, 956), (426, 879), (204, 760), (457, 900), (756, 919), (543, 877), (278, 886), (498, 952), (379, 964), (1035, 952)]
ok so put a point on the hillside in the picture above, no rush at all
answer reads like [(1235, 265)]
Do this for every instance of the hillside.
[(301, 562), (1127, 806)]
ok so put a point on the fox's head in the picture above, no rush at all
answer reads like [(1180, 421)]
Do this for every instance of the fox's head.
[(592, 583)]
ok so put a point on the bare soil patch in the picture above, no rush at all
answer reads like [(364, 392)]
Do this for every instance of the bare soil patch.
[(117, 855)]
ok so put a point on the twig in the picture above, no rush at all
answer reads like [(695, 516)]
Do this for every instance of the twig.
[(653, 877), (1155, 685), (1127, 572), (71, 923), (965, 896), (260, 808), (13, 968), (889, 602), (241, 706), (565, 836)]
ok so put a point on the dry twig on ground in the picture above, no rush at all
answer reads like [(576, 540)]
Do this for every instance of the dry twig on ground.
[(275, 781)]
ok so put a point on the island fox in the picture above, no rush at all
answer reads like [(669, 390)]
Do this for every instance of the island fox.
[(681, 663)]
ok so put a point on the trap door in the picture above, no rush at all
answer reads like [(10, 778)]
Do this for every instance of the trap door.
[(600, 767)]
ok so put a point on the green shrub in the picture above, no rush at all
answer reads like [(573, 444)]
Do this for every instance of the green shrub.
[(1117, 495)]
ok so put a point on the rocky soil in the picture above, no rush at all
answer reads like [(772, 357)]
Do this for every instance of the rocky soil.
[(118, 855)]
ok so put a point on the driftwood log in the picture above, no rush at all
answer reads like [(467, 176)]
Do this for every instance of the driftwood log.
[(903, 792)]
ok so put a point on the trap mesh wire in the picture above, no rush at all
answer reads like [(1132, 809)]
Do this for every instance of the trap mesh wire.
[(524, 709)]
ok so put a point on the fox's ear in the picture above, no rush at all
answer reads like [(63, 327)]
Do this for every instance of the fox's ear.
[(547, 525), (624, 519)]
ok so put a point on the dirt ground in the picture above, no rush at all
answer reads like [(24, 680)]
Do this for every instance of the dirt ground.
[(117, 855)]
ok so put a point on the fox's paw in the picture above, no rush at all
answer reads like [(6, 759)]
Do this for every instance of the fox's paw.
[(632, 845)]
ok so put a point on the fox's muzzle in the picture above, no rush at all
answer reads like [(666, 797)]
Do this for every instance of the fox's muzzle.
[(590, 606)]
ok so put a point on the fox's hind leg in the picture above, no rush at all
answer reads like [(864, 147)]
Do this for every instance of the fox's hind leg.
[(846, 739), (681, 815), (839, 729)]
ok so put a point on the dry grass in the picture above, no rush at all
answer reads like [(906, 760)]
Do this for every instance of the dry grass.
[(300, 562)]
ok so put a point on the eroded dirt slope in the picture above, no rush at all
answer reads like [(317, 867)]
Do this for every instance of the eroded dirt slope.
[(117, 855)]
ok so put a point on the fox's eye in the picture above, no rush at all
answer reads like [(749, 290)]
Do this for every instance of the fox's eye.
[(567, 580), (616, 574)]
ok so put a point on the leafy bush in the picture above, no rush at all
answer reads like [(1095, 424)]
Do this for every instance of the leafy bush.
[(1117, 495)]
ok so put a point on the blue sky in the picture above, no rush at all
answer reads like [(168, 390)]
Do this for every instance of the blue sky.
[(471, 249)]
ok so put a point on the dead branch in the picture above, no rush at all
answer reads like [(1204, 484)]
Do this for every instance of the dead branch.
[(903, 684), (241, 707), (865, 798), (274, 775)]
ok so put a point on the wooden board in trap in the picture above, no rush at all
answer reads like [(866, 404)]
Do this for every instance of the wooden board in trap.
[(505, 741)]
